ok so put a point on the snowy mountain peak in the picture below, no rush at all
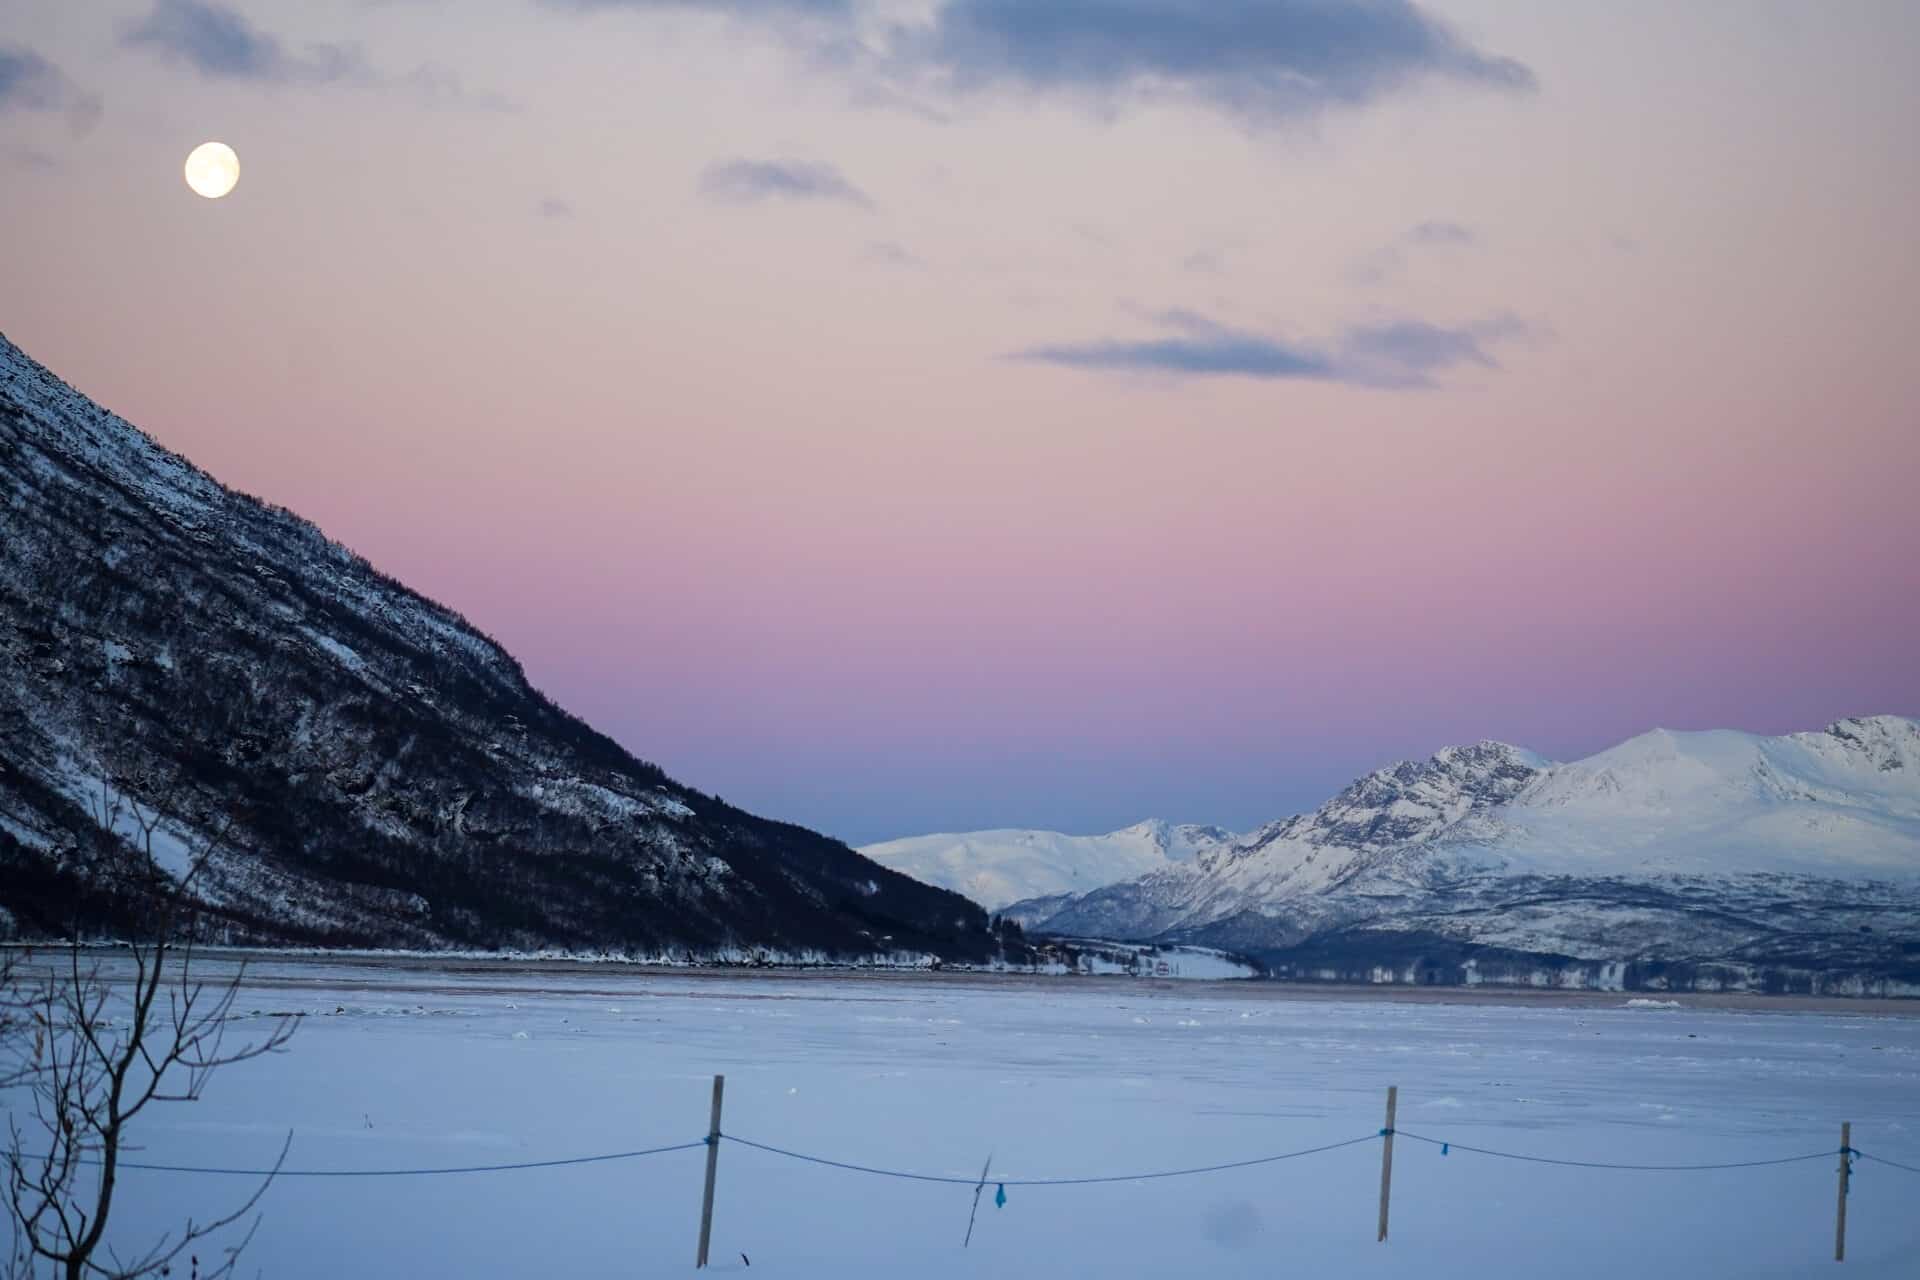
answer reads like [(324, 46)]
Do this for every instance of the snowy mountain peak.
[(1180, 841), (995, 868), (1740, 858), (1480, 773), (1411, 801), (1889, 742), (1701, 774)]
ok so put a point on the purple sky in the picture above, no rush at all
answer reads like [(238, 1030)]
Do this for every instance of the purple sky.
[(958, 413)]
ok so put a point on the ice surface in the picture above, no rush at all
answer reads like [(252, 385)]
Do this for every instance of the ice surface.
[(406, 1064)]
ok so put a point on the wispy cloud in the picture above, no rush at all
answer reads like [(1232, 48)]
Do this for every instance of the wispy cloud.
[(1404, 354), (1441, 232), (752, 181), (1377, 267), (31, 159), (222, 44), (1388, 261), (885, 253), (1259, 60), (435, 86), (1407, 353), (28, 82), (731, 8)]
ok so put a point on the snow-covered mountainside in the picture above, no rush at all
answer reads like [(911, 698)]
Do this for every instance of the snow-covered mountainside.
[(996, 868), (1674, 859), (365, 767)]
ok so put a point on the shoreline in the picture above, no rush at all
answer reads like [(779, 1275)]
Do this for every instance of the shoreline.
[(619, 971)]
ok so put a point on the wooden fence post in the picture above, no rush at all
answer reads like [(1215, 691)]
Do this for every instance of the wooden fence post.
[(1846, 1169), (713, 1168), (1386, 1157)]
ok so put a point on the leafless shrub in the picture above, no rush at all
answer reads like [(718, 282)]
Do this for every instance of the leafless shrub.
[(88, 1049)]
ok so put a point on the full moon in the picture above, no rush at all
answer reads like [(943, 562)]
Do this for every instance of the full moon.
[(213, 169)]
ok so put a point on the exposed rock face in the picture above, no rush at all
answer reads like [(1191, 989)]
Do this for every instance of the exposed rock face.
[(370, 769)]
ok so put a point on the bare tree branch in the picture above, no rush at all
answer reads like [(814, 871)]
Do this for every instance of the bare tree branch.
[(91, 1063)]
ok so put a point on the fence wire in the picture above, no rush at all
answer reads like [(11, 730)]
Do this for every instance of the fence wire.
[(1446, 1145)]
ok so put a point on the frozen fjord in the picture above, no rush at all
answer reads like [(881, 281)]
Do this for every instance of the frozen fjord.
[(415, 1065)]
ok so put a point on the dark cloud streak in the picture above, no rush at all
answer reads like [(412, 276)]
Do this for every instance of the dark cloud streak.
[(1222, 354), (28, 82), (1394, 355), (221, 44), (1259, 60)]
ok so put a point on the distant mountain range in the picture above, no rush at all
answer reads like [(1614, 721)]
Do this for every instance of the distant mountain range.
[(366, 768), (998, 868), (362, 767), (1687, 860)]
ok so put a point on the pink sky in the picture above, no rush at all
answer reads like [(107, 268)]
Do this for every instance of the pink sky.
[(915, 502)]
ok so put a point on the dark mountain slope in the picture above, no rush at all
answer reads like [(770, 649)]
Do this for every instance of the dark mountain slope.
[(370, 769)]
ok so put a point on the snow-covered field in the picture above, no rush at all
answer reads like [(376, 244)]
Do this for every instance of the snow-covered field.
[(411, 1065)]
